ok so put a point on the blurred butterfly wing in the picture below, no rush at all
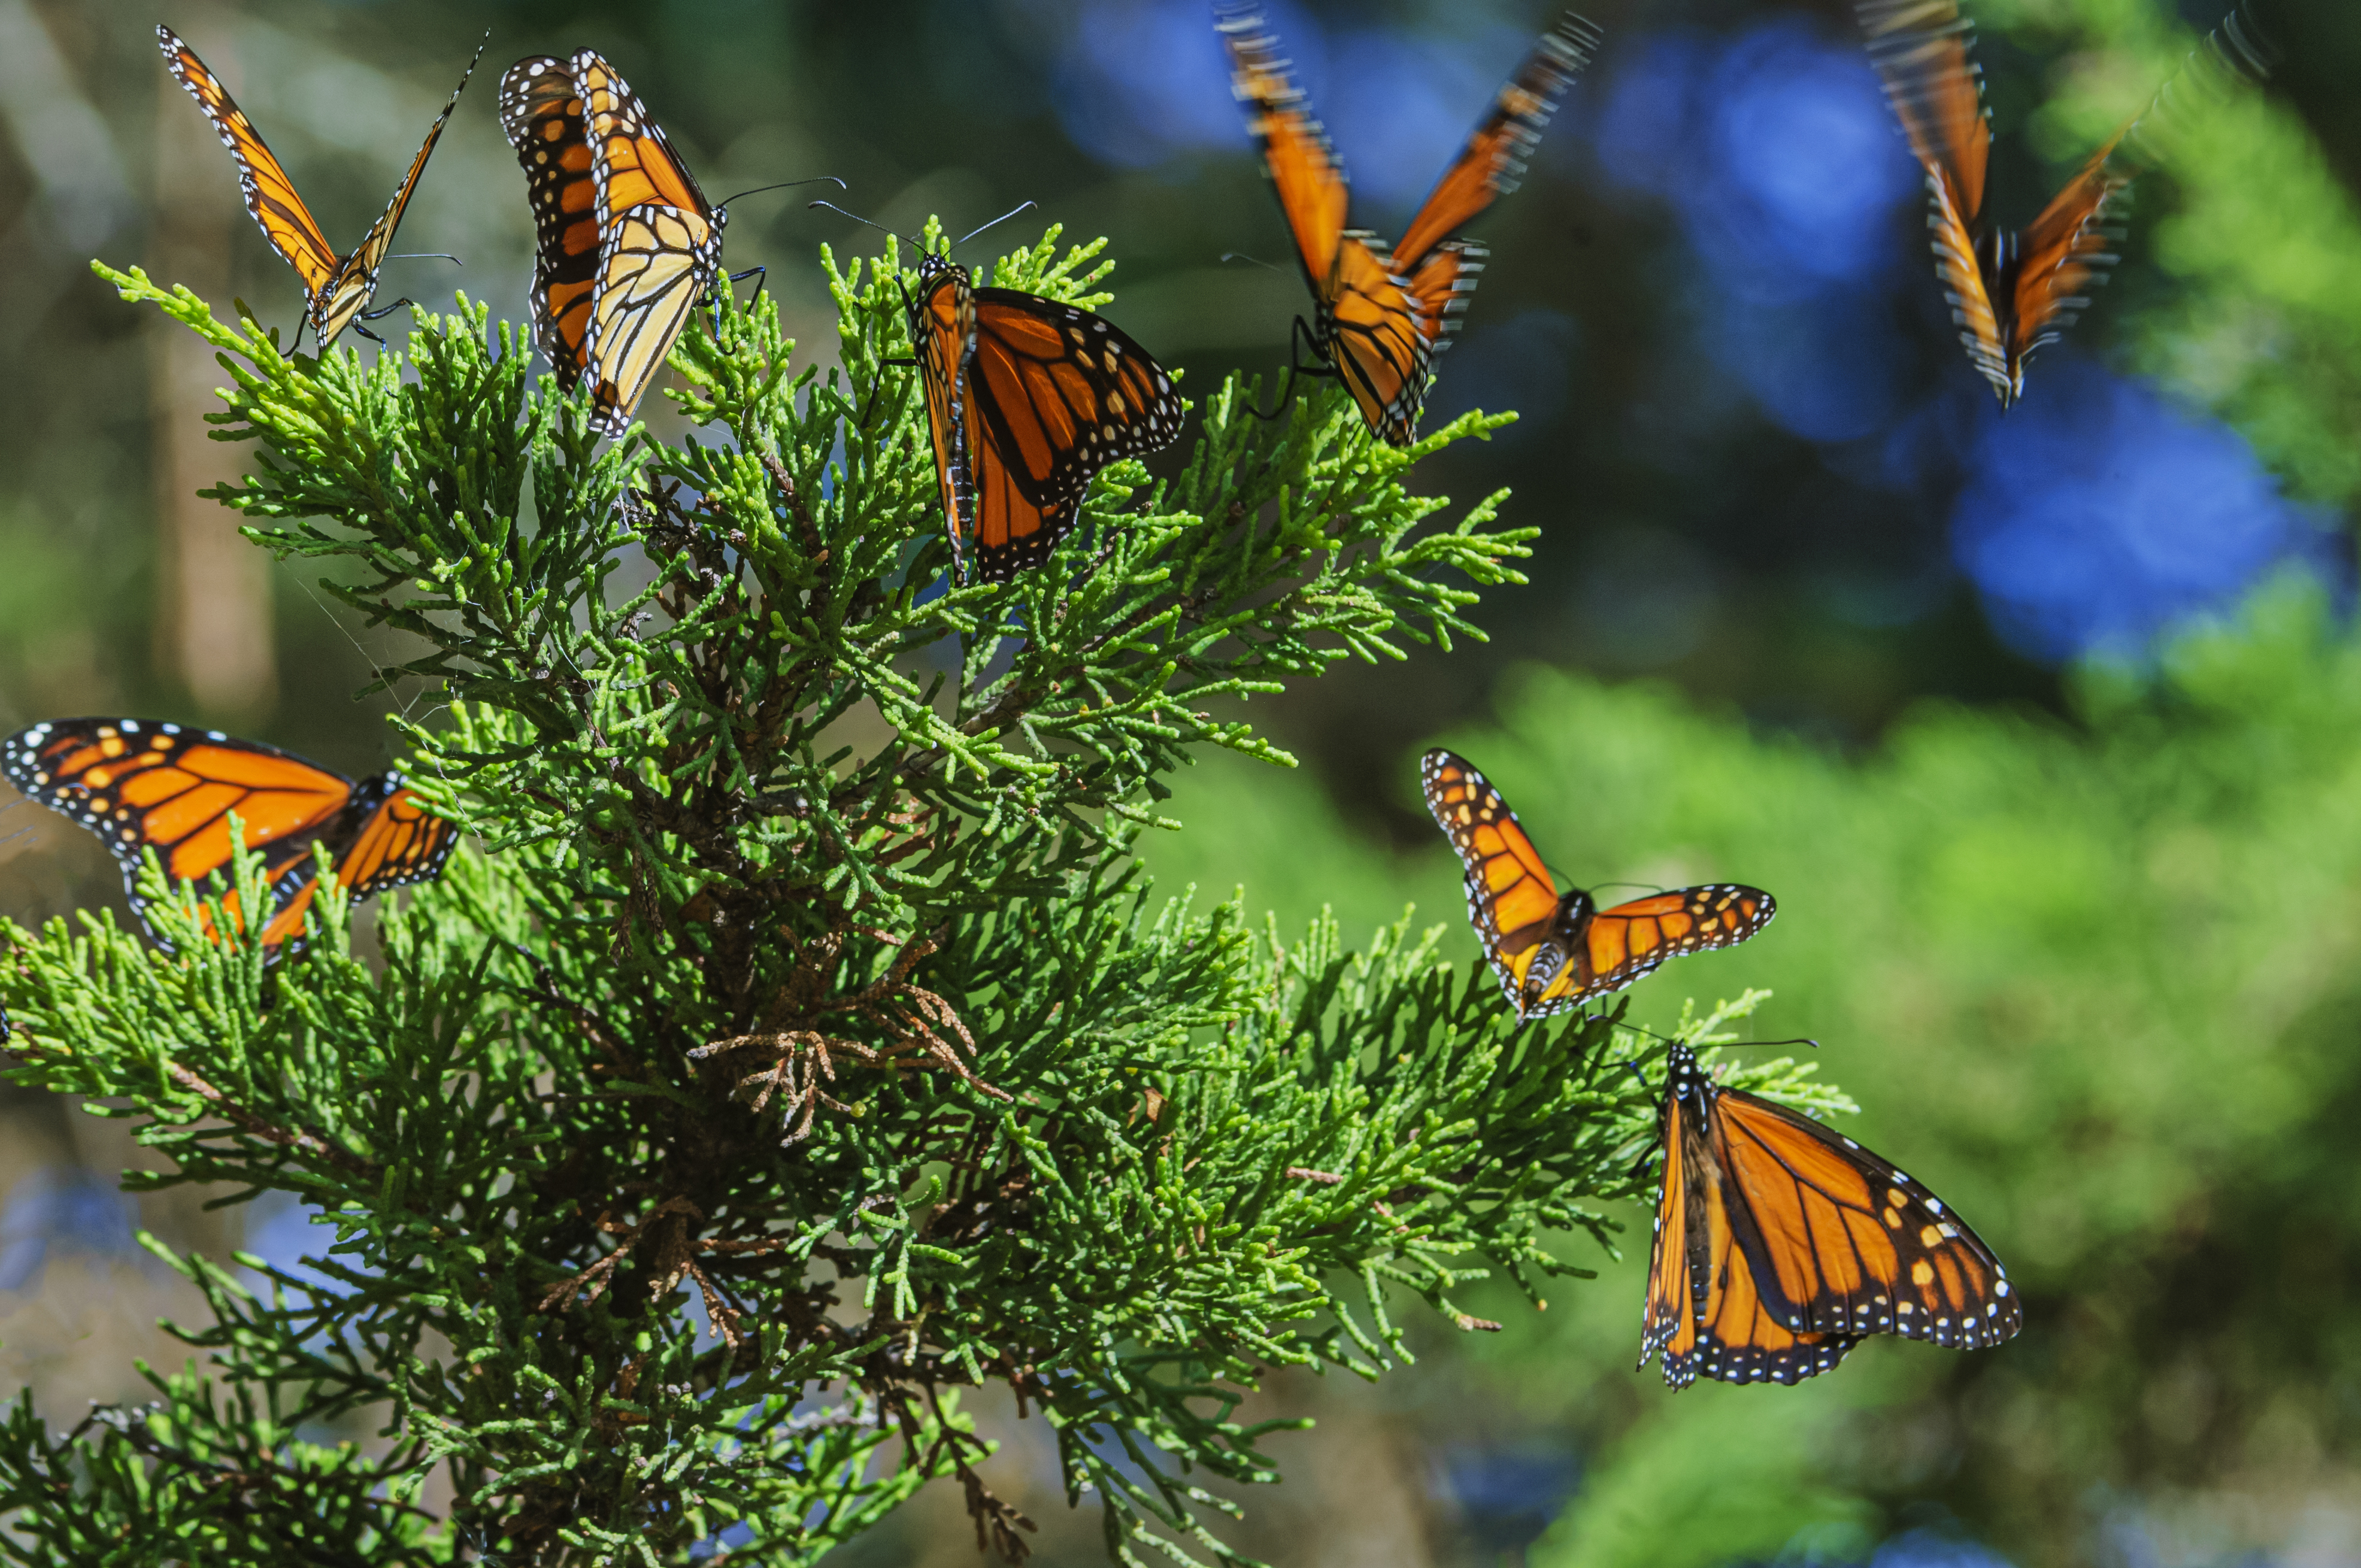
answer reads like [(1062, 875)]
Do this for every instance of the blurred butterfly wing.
[(1051, 395), (1836, 1240), (1512, 899), (1439, 290), (355, 283), (1366, 323), (271, 195), (660, 244), (1296, 152), (1489, 166), (2062, 253), (541, 112), (1920, 50), (141, 786), (1958, 265), (1620, 944)]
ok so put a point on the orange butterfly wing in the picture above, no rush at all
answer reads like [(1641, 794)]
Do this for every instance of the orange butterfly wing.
[(1668, 1321), (1620, 944), (1800, 1242), (1703, 1313), (336, 289), (140, 785), (1554, 953), (1440, 288), (1027, 398), (1367, 324), (1489, 167), (2060, 253), (271, 195), (660, 243), (1920, 50), (397, 843), (1838, 1241), (541, 111), (355, 284), (1512, 899), (942, 332), (1296, 152), (1374, 332)]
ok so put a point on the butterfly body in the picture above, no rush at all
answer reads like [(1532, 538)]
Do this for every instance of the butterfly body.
[(1552, 951), (142, 785), (1027, 398), (1381, 313), (337, 288), (1780, 1245), (626, 245)]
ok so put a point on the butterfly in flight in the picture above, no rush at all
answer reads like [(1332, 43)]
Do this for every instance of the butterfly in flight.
[(2011, 292), (625, 243), (1027, 399), (1380, 315), (1554, 953), (140, 784), (337, 288), (1781, 1244)]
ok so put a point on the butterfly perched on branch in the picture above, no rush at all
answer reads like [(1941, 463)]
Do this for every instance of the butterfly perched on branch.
[(140, 784), (1781, 1244), (625, 244), (337, 288), (1027, 399), (1380, 315), (2015, 291), (1554, 953)]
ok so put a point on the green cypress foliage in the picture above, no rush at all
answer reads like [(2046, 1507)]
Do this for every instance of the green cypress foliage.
[(803, 1045)]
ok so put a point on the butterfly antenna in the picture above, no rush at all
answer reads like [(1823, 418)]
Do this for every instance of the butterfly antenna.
[(786, 185), (1725, 1045), (1242, 255), (995, 223), (426, 256), (881, 228)]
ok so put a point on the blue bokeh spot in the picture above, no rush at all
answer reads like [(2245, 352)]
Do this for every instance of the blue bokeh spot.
[(2097, 515)]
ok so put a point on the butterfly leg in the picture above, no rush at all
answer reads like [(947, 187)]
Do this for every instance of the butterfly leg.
[(382, 311), (371, 335), (1295, 366), (874, 387), (760, 275)]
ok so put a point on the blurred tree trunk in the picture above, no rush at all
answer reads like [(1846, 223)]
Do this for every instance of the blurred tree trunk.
[(212, 611)]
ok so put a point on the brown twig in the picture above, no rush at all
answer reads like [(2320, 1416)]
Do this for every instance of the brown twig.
[(246, 1121)]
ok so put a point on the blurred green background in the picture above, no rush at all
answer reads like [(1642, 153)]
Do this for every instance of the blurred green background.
[(2046, 731)]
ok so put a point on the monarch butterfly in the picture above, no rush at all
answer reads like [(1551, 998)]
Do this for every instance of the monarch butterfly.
[(140, 784), (626, 245), (1781, 1244), (1554, 953), (2010, 293), (1380, 316), (338, 288), (1027, 399)]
